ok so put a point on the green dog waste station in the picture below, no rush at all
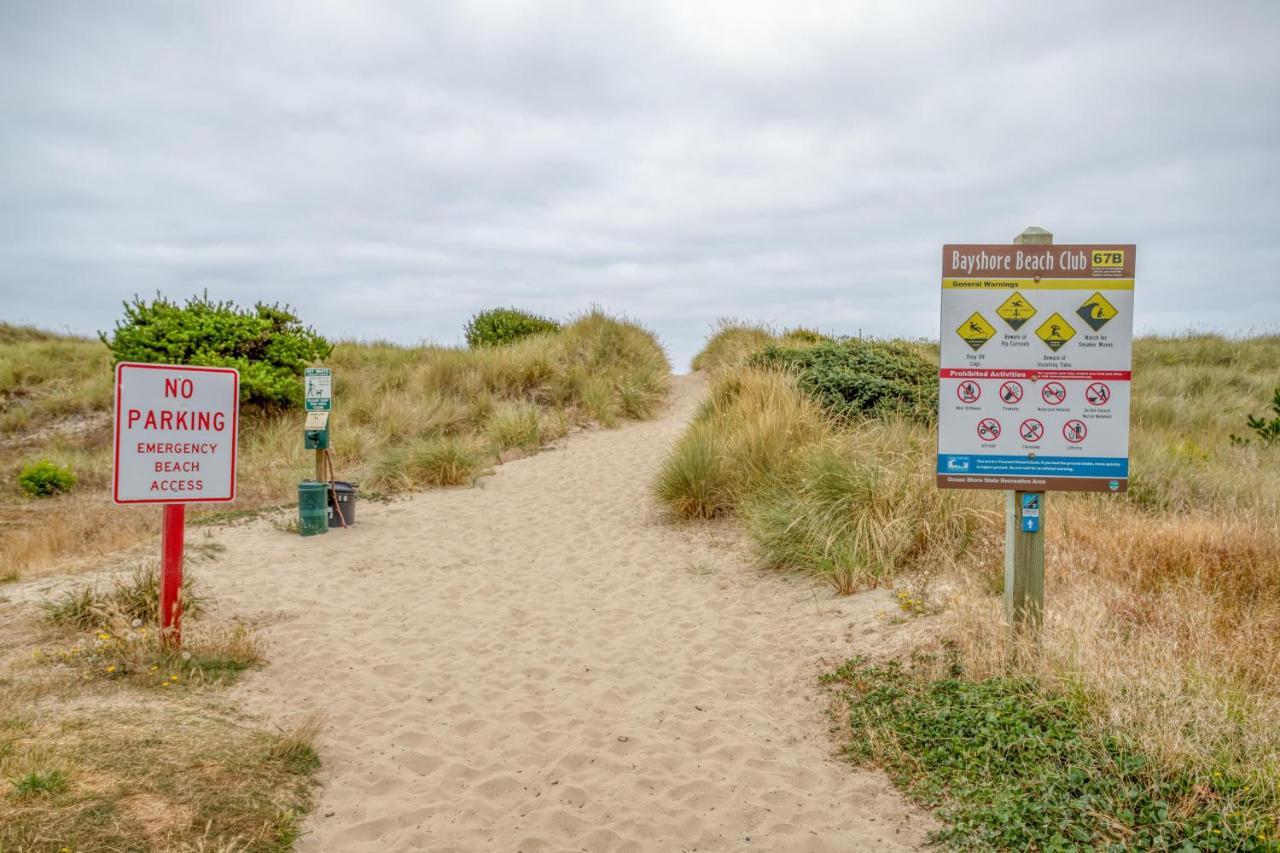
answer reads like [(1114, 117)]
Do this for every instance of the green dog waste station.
[(313, 507)]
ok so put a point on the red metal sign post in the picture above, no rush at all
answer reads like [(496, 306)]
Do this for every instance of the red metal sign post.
[(175, 516), (175, 443)]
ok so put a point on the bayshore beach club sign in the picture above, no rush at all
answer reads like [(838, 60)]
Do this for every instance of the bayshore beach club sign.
[(1035, 367)]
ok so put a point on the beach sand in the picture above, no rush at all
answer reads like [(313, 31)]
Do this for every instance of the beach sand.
[(544, 663)]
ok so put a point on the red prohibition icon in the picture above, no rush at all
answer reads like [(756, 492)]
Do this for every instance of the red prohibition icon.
[(1011, 392), (1098, 393), (968, 391), (988, 429), (1074, 431), (1053, 393), (1031, 430)]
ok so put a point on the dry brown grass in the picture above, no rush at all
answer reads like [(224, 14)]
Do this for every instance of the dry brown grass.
[(1168, 625)]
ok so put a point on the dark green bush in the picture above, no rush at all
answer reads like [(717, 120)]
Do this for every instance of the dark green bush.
[(499, 326), (268, 344), (1011, 766), (44, 478), (861, 378)]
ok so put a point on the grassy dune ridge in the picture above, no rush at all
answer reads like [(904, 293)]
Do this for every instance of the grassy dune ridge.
[(1163, 603), (404, 417)]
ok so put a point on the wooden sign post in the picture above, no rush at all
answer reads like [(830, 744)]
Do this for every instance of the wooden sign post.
[(1023, 548)]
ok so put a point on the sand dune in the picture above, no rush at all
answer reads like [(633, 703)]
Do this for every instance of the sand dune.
[(542, 663)]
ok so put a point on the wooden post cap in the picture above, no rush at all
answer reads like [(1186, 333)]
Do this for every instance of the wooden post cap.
[(1034, 235)]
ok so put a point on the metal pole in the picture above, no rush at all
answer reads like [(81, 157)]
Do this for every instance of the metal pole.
[(1023, 549), (171, 574)]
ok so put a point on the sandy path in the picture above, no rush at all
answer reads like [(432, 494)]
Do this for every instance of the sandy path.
[(542, 664)]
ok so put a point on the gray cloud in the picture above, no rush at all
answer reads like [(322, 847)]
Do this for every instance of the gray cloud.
[(391, 168)]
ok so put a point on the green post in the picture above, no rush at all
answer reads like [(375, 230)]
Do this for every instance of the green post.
[(1024, 551)]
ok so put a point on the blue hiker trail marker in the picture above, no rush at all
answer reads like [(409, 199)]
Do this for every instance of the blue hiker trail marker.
[(1030, 512)]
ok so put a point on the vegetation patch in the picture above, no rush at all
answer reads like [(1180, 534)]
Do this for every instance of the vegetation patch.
[(405, 417), (857, 378), (1265, 429), (734, 343), (436, 461), (268, 344), (744, 436), (172, 775), (125, 599), (499, 326), (110, 740), (860, 507), (36, 782), (44, 479), (1010, 766)]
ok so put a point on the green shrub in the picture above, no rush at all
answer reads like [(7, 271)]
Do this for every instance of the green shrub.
[(268, 344), (1266, 429), (1012, 766), (35, 783), (861, 378), (499, 326), (44, 478)]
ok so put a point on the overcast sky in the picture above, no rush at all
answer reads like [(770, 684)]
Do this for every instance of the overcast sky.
[(391, 168)]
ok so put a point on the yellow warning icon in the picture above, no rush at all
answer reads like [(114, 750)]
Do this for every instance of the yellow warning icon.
[(1096, 311), (1015, 311), (1055, 331), (976, 331)]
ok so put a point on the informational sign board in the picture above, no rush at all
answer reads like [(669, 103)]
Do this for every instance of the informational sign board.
[(175, 433), (318, 382), (1035, 366)]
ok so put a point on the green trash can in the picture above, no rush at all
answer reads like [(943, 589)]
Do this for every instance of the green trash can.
[(313, 508)]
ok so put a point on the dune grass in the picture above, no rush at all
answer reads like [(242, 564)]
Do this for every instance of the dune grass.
[(404, 418), (735, 341), (1162, 603)]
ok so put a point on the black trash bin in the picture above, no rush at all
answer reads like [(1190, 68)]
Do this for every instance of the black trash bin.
[(344, 494)]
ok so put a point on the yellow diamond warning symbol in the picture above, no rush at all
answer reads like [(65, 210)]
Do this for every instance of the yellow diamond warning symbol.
[(1096, 311), (1055, 331), (1015, 311), (976, 331)]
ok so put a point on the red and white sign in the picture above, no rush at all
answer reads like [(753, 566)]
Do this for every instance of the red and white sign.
[(175, 433)]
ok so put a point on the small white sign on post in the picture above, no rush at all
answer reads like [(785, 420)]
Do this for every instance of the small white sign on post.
[(175, 433), (318, 384)]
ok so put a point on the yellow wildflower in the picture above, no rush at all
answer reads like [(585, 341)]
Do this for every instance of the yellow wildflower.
[(111, 668)]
